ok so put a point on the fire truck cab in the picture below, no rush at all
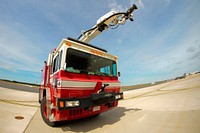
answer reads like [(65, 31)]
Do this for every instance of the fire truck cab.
[(83, 81)]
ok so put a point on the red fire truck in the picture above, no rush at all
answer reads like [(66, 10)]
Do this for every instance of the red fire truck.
[(80, 79)]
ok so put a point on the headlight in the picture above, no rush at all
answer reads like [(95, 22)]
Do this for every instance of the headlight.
[(117, 97), (72, 103)]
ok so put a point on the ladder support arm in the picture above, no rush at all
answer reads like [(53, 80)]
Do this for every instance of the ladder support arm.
[(109, 20)]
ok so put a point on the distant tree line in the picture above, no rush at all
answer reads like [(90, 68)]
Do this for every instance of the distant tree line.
[(13, 81)]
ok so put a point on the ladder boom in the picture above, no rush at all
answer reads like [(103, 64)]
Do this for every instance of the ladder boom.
[(109, 20)]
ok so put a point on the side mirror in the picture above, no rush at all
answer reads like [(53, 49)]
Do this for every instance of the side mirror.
[(119, 74)]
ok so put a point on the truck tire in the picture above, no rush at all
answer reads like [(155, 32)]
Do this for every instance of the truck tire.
[(43, 110)]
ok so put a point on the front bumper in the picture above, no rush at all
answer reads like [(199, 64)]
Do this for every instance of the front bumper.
[(91, 101)]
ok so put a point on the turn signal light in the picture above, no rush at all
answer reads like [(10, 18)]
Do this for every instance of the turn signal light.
[(61, 104)]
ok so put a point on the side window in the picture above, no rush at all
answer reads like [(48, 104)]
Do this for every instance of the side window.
[(55, 64), (60, 59)]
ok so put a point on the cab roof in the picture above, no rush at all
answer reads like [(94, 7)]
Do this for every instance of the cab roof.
[(87, 44)]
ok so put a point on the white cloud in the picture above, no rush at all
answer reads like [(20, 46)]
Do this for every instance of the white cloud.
[(119, 40), (191, 49), (17, 51), (7, 65), (114, 6)]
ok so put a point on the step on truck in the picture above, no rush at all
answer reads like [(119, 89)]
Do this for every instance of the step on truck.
[(79, 79)]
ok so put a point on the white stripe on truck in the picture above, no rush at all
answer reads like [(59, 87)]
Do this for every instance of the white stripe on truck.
[(89, 85)]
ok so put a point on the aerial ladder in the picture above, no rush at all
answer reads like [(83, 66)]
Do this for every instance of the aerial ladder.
[(110, 20)]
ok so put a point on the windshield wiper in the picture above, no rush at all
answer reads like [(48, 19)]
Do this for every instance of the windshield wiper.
[(84, 71), (100, 73)]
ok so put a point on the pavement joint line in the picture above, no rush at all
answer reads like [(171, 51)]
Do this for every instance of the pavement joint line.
[(149, 92), (30, 121), (167, 92), (182, 89), (159, 90), (140, 95), (16, 103)]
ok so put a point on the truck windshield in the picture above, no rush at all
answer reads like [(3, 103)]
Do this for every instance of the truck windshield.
[(81, 62)]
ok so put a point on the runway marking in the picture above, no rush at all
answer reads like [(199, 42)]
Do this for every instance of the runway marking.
[(142, 118)]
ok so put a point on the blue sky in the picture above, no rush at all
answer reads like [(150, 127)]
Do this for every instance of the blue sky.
[(163, 41)]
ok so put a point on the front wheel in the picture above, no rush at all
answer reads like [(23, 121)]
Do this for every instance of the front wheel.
[(43, 110)]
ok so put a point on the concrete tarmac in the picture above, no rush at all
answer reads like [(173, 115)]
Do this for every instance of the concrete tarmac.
[(16, 109), (172, 107)]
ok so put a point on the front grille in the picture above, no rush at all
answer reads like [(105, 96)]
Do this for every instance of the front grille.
[(75, 112)]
